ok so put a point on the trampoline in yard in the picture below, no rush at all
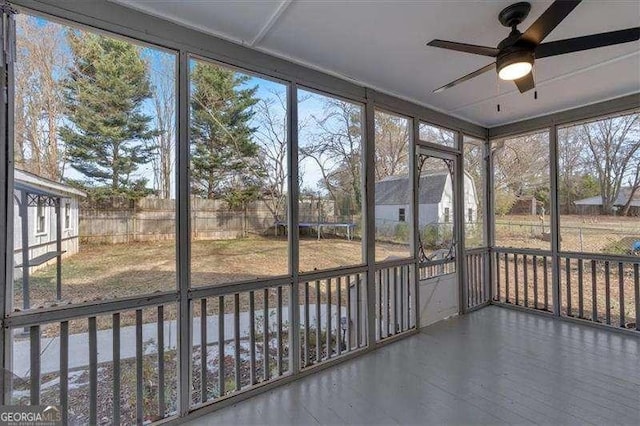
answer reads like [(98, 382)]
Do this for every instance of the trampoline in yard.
[(318, 226)]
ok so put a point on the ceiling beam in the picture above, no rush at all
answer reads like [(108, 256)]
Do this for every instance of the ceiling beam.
[(271, 22)]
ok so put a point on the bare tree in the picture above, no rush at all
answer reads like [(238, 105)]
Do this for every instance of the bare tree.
[(335, 146), (392, 145), (613, 147), (41, 63), (521, 168), (162, 67), (271, 136)]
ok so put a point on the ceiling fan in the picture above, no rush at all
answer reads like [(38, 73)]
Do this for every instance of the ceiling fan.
[(516, 54)]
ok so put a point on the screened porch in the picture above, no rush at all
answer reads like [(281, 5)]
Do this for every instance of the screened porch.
[(265, 240)]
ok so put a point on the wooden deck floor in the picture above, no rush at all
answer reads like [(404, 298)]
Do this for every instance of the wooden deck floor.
[(494, 366)]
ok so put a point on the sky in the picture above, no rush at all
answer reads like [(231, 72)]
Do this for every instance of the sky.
[(162, 64)]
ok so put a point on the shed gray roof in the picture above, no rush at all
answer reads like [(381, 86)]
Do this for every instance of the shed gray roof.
[(394, 190), (622, 199), (34, 184)]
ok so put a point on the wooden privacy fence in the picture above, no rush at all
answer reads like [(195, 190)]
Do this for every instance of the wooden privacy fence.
[(151, 219)]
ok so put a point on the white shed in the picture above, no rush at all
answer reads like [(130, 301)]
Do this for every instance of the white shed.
[(435, 200), (51, 226)]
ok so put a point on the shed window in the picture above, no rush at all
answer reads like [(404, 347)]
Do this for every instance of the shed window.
[(67, 215), (41, 218), (446, 215), (470, 215), (401, 215)]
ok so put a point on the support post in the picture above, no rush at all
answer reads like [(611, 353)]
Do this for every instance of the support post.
[(415, 240), (58, 201), (369, 237), (24, 221), (7, 50), (489, 212), (458, 187), (555, 219), (183, 248), (294, 229)]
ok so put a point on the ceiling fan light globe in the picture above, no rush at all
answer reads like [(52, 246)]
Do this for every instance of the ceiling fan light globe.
[(515, 71)]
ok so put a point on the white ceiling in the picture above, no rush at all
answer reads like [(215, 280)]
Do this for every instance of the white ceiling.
[(381, 44)]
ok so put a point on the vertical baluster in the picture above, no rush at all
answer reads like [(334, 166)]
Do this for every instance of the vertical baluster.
[(497, 295), (410, 295), (221, 344), (479, 278), (64, 372), (515, 273), (307, 318), (318, 324), (636, 286), (395, 300), (525, 271), (236, 340), (545, 283), (580, 289), (279, 321), (328, 320), (607, 292), (380, 313), (481, 281), (116, 368), (93, 371), (594, 293), (348, 325), (358, 313), (468, 281), (34, 338), (265, 334), (252, 338), (161, 401), (388, 303), (339, 316), (139, 371), (621, 292), (568, 272), (535, 282), (506, 277), (402, 284), (203, 350)]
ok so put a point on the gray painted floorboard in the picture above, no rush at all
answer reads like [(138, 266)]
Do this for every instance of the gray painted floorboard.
[(493, 366)]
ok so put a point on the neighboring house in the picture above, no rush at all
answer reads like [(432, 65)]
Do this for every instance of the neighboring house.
[(593, 205), (41, 196), (435, 200)]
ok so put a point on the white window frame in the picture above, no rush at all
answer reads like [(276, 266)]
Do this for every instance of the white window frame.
[(68, 225), (45, 226)]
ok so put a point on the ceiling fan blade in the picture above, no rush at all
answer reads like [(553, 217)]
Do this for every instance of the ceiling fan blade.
[(464, 47), (593, 41), (549, 19), (466, 77), (525, 83)]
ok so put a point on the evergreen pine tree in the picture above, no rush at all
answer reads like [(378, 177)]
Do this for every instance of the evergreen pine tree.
[(108, 136), (223, 154)]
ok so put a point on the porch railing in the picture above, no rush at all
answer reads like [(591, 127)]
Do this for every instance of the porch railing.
[(333, 313), (477, 290), (603, 289), (395, 300), (127, 352)]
